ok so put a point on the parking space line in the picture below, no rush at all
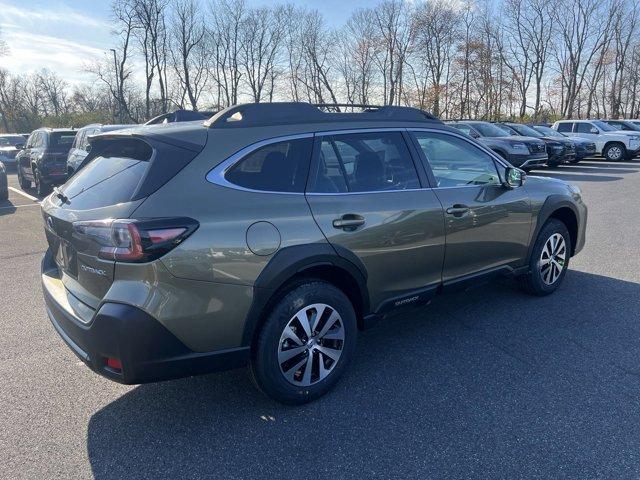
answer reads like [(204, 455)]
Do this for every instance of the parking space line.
[(20, 206), (24, 194)]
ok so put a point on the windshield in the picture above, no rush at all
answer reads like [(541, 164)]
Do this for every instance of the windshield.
[(526, 131), (548, 131), (11, 141), (604, 126), (490, 130)]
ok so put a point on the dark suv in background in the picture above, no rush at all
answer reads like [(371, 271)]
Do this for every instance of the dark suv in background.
[(584, 148), (559, 150), (526, 153), (44, 159), (271, 233)]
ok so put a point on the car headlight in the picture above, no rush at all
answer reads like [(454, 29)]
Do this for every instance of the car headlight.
[(518, 146)]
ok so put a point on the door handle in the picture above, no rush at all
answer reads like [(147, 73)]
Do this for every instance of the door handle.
[(457, 210), (348, 222)]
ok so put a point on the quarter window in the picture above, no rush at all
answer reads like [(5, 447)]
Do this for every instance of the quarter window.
[(363, 162), (277, 167), (456, 162)]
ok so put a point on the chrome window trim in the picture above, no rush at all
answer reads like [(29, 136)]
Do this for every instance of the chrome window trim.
[(217, 174)]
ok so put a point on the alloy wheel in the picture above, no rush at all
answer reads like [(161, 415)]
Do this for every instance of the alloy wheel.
[(615, 153), (553, 258), (311, 344)]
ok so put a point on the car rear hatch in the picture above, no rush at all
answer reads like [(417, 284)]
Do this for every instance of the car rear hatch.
[(54, 160), (121, 171)]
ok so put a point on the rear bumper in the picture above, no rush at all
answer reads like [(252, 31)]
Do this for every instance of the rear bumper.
[(147, 350)]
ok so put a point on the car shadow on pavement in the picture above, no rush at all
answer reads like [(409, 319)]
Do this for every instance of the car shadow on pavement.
[(7, 208), (488, 383), (562, 175)]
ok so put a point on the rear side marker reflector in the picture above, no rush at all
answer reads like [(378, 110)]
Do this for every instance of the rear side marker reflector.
[(114, 364)]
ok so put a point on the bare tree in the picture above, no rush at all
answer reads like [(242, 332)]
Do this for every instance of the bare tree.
[(190, 50), (436, 25), (582, 36), (396, 35), (261, 43), (227, 17)]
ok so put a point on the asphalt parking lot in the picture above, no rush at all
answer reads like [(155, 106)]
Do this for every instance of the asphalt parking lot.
[(489, 383)]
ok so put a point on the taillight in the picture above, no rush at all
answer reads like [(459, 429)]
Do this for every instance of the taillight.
[(136, 240)]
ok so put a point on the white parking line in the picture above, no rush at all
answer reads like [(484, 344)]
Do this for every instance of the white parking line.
[(20, 192), (13, 207)]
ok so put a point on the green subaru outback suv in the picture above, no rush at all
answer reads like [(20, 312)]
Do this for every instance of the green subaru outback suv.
[(271, 233)]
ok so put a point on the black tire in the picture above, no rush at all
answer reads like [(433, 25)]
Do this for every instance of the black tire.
[(265, 366), (615, 152), (533, 281), (42, 188), (24, 183), (4, 195)]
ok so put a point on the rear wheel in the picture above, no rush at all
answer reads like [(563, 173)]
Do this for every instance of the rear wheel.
[(24, 183), (614, 152), (305, 344), (42, 188), (549, 259)]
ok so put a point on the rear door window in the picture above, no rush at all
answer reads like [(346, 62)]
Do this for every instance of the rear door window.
[(363, 162)]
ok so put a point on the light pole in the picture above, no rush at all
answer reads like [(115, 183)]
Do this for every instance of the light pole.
[(116, 113)]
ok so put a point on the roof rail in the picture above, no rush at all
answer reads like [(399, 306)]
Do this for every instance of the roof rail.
[(263, 114)]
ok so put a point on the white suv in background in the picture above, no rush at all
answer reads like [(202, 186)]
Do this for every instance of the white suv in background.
[(612, 144)]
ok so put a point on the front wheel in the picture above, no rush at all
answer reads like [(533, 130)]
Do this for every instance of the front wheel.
[(614, 152), (305, 344), (549, 259)]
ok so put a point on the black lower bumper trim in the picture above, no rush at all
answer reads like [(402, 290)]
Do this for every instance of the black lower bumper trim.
[(147, 350)]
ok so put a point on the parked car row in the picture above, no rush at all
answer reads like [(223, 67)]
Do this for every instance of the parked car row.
[(527, 146), (48, 157), (615, 140)]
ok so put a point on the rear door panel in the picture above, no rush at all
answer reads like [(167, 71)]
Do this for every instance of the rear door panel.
[(401, 240)]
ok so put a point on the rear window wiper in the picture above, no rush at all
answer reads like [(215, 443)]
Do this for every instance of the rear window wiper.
[(58, 193)]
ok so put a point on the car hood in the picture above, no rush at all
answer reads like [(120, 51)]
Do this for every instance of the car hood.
[(623, 133)]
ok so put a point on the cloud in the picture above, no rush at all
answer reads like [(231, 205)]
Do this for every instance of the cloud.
[(57, 14), (54, 37)]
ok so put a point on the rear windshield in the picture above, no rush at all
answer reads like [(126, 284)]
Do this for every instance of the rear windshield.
[(62, 140), (110, 178), (11, 141)]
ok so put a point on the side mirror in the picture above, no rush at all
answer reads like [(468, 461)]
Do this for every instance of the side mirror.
[(514, 177), (87, 147), (594, 130)]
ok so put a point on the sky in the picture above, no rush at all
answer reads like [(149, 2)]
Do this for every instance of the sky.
[(66, 35)]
